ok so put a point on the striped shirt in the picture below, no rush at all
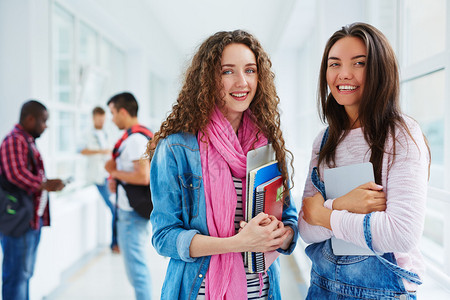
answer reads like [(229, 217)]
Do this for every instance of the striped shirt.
[(16, 168), (253, 285)]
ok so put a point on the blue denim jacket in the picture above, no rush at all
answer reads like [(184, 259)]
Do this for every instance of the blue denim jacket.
[(179, 212)]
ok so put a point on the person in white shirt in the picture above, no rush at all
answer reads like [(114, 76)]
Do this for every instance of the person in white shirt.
[(97, 149)]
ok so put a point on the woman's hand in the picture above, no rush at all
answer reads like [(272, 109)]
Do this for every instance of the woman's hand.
[(288, 230), (261, 234), (314, 212), (365, 199)]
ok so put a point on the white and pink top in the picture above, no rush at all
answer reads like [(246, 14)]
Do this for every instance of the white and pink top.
[(404, 180)]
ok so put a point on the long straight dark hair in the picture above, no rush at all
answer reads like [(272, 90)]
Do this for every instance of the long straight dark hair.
[(379, 109)]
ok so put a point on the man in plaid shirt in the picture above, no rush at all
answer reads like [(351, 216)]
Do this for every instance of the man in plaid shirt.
[(19, 253)]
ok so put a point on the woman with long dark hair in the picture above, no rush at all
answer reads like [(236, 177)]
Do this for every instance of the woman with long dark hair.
[(359, 99), (227, 106)]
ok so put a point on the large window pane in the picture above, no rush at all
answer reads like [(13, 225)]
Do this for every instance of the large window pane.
[(87, 53), (112, 61), (85, 64), (424, 29), (63, 54), (424, 98), (66, 132), (118, 69), (91, 85)]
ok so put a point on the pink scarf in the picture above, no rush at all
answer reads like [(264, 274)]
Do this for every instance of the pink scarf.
[(224, 155)]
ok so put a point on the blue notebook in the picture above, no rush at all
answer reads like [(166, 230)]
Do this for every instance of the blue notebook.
[(256, 177), (260, 164)]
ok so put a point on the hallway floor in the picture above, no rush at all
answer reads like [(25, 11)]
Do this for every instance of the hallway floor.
[(103, 277)]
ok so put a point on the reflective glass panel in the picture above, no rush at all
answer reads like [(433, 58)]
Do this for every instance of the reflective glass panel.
[(425, 23)]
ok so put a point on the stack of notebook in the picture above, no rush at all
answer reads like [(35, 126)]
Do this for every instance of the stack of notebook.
[(264, 194)]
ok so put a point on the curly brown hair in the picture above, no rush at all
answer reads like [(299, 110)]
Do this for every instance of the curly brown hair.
[(201, 93)]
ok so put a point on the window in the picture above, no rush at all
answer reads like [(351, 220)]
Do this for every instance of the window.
[(112, 61), (85, 68), (424, 96), (63, 54), (425, 23), (424, 100)]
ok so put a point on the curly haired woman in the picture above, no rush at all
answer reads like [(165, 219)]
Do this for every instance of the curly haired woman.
[(226, 107)]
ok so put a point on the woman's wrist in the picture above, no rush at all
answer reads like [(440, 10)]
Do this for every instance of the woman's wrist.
[(289, 238), (338, 204), (234, 244), (324, 217)]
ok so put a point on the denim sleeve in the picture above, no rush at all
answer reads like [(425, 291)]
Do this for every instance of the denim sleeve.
[(170, 238), (290, 218)]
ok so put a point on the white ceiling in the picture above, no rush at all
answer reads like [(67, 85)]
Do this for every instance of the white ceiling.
[(189, 22)]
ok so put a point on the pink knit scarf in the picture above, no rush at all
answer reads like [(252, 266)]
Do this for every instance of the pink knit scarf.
[(223, 155)]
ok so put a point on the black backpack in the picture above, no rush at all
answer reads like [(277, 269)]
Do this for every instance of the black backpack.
[(139, 196)]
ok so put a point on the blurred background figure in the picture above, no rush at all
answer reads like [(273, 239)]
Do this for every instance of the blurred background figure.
[(22, 175), (97, 149), (130, 179)]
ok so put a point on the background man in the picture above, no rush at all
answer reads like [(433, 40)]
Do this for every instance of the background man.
[(97, 149), (128, 168), (19, 253)]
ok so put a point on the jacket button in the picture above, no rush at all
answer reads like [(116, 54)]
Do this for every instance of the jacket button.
[(190, 185), (200, 275)]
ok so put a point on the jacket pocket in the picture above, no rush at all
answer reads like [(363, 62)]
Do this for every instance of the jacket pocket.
[(191, 193)]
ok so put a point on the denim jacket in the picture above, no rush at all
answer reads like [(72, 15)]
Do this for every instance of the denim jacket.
[(179, 213)]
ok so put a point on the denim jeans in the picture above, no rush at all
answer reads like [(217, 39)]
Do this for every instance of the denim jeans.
[(19, 258), (133, 237), (104, 192), (352, 277)]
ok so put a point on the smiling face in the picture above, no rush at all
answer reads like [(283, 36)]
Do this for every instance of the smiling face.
[(346, 73), (239, 80)]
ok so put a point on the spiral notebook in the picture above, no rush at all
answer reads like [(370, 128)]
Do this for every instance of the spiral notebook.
[(269, 200), (261, 167)]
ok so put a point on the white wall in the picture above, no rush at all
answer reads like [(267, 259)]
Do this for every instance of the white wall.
[(15, 60)]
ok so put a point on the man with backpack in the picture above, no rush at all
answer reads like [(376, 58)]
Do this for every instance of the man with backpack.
[(130, 179), (24, 199)]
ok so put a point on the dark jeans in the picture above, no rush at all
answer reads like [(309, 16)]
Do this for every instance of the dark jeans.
[(19, 258), (104, 191)]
